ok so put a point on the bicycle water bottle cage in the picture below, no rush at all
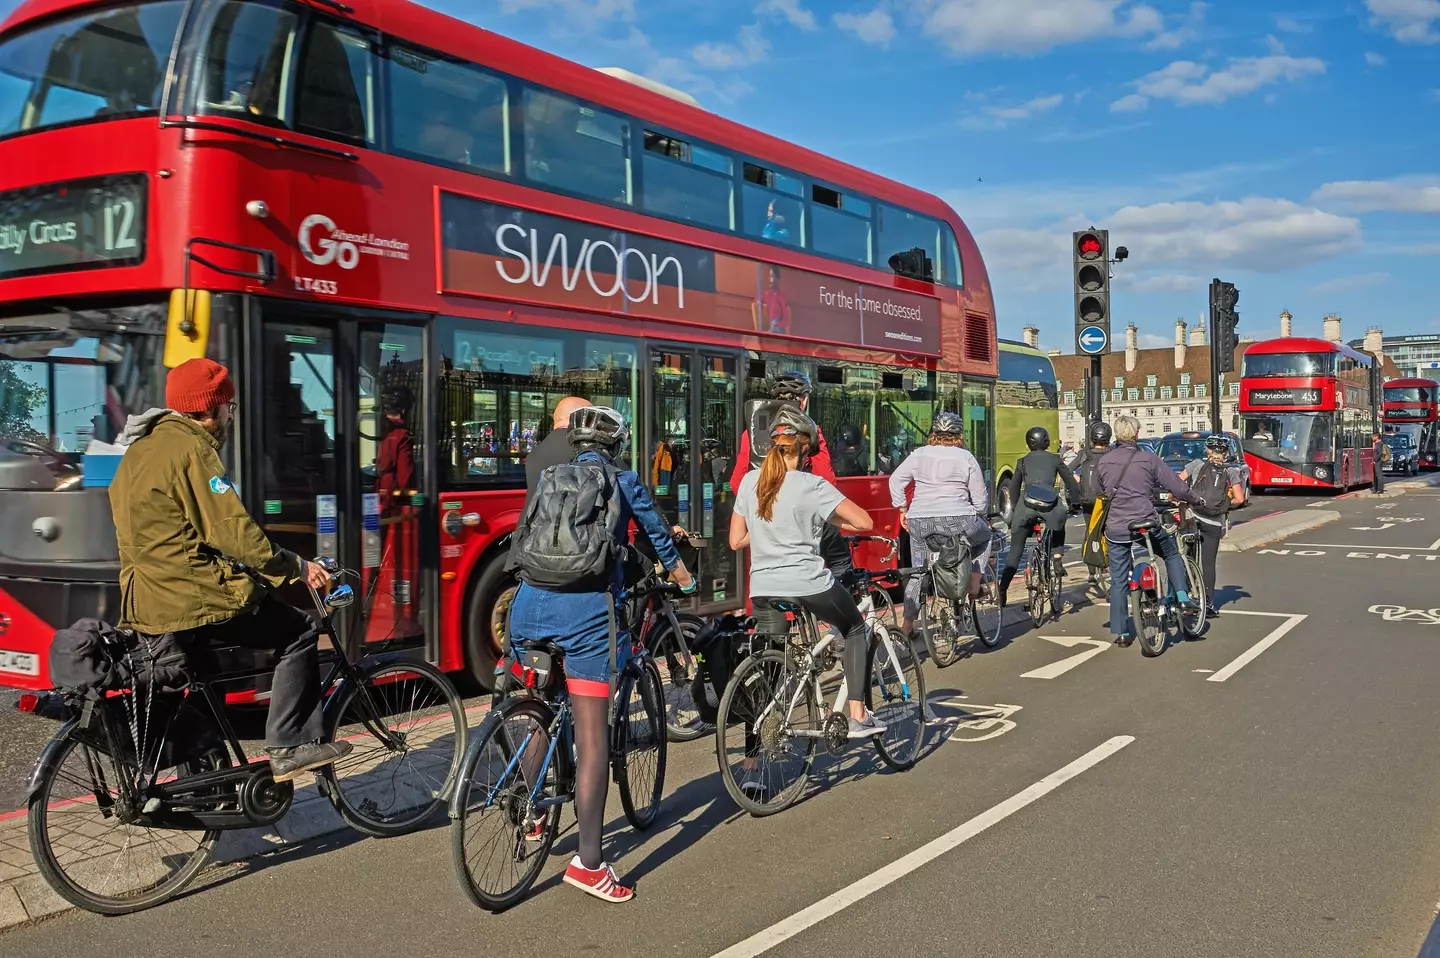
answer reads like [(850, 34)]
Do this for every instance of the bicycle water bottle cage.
[(1040, 498)]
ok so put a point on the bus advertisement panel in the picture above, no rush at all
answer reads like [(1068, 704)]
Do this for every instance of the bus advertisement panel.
[(409, 238), (1308, 412)]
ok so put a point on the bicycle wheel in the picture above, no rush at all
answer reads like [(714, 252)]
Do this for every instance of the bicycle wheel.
[(90, 841), (407, 724), (987, 618), (677, 665), (1036, 589), (885, 612), (896, 694), (499, 839), (638, 751), (766, 731), (1149, 624), (1192, 620), (939, 626)]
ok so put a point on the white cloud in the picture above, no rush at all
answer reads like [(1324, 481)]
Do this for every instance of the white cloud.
[(1374, 59), (1341, 284), (1292, 25), (1407, 194), (1153, 341), (1033, 26), (998, 117), (1188, 83), (1409, 21), (791, 10), (1187, 31), (749, 48), (1423, 249), (1258, 234), (876, 27)]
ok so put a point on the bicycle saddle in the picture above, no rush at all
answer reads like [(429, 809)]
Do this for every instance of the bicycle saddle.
[(784, 605), (542, 645), (1142, 526)]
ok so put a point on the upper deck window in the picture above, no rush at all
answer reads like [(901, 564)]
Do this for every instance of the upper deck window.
[(447, 111), (337, 89), (577, 148), (774, 205), (842, 224), (103, 65), (246, 70), (688, 182), (1290, 364), (902, 231)]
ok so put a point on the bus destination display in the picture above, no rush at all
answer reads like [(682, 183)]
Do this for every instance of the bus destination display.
[(78, 225)]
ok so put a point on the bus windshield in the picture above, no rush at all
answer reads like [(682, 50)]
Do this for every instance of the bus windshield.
[(68, 381), (1291, 437), (1026, 380), (104, 64), (1290, 364), (1410, 394)]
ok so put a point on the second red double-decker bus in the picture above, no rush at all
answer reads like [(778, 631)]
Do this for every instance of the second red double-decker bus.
[(1308, 412), (409, 238), (1412, 406)]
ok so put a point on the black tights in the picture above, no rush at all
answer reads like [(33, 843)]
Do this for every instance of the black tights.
[(1209, 554), (1019, 529), (837, 607), (592, 773)]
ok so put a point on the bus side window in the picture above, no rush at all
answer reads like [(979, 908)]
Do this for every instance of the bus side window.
[(337, 85), (447, 111)]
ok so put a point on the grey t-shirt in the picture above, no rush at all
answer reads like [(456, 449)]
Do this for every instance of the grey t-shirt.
[(785, 556)]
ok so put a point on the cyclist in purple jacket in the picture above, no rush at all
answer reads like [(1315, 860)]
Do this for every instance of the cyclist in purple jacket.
[(1130, 478)]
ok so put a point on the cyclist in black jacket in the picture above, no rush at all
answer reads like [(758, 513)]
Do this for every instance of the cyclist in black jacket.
[(1039, 467)]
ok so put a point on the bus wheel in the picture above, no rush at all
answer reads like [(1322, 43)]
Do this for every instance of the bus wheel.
[(1002, 491), (485, 621)]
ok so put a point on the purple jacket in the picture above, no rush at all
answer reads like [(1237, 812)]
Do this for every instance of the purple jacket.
[(1130, 477)]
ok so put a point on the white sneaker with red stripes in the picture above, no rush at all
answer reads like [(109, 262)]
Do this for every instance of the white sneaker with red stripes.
[(600, 882)]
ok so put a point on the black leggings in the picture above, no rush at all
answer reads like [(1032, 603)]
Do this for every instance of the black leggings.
[(837, 607), (1019, 529), (1209, 553)]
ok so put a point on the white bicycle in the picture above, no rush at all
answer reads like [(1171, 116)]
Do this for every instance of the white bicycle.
[(775, 713)]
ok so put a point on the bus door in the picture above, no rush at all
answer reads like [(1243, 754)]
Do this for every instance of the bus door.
[(687, 454), (337, 457)]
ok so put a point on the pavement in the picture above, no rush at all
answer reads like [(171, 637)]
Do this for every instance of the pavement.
[(1269, 790)]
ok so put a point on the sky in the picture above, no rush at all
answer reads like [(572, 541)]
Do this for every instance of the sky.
[(1291, 147)]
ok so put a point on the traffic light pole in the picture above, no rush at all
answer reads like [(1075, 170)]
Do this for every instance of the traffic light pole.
[(1093, 396), (1217, 343)]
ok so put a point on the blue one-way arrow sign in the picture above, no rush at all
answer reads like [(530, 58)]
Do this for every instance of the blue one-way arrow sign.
[(1093, 340)]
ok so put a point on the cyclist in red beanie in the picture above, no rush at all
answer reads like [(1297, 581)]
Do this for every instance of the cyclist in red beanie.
[(179, 522)]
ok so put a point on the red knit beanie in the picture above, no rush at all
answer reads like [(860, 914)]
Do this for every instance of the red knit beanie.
[(198, 385)]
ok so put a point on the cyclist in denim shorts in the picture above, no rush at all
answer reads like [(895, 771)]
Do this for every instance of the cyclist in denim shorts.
[(950, 498), (579, 623)]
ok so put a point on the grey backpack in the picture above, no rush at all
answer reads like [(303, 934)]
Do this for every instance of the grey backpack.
[(566, 540)]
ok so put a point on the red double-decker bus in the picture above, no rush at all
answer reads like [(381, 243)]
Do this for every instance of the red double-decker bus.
[(409, 238), (1308, 413), (1412, 406)]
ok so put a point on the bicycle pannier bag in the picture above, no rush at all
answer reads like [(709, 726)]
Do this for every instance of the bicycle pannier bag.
[(951, 565), (565, 541), (717, 645), (95, 655)]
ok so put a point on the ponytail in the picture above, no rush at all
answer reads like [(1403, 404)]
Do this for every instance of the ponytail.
[(773, 470)]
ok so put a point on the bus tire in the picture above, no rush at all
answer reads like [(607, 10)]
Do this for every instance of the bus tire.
[(1002, 496), (482, 631)]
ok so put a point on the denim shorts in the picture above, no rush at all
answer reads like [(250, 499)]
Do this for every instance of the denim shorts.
[(578, 622)]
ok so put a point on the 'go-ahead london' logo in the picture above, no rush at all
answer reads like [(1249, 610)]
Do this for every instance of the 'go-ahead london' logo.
[(342, 248)]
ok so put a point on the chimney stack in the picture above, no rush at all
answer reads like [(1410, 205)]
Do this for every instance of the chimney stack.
[(1179, 344), (1197, 334), (1332, 327), (1132, 347), (1031, 335), (1055, 352), (1375, 342), (1285, 318)]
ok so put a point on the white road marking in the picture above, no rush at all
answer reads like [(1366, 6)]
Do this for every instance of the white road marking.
[(1057, 669), (1367, 546), (1203, 671), (787, 928), (1252, 653)]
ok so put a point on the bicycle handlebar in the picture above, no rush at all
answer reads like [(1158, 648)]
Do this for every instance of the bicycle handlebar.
[(892, 544)]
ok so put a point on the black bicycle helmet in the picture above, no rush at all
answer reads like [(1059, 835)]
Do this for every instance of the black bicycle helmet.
[(948, 424), (396, 399), (1036, 438), (1217, 443), (793, 385), (1100, 433), (790, 421), (598, 426)]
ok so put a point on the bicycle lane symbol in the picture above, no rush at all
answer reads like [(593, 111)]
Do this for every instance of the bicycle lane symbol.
[(1398, 613), (969, 722)]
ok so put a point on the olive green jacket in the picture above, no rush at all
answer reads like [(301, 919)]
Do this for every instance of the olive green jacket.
[(178, 520)]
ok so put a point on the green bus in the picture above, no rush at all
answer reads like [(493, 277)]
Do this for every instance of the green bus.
[(1025, 396)]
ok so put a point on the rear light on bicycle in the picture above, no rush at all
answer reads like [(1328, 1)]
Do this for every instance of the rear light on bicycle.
[(28, 702), (1147, 579)]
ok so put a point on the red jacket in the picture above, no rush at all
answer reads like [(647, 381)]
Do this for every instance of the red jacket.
[(394, 468), (819, 461)]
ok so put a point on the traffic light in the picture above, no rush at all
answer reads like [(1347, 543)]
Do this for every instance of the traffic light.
[(1224, 320), (913, 264), (1092, 281)]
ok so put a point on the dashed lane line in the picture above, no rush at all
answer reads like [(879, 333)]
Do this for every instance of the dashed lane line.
[(1252, 653), (787, 928)]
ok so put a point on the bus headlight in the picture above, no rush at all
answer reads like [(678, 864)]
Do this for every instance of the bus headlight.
[(1322, 473)]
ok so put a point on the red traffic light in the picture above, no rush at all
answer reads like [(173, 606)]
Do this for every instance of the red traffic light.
[(1089, 246)]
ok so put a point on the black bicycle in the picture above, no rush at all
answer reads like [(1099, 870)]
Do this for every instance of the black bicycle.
[(948, 623), (130, 795), (520, 769)]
